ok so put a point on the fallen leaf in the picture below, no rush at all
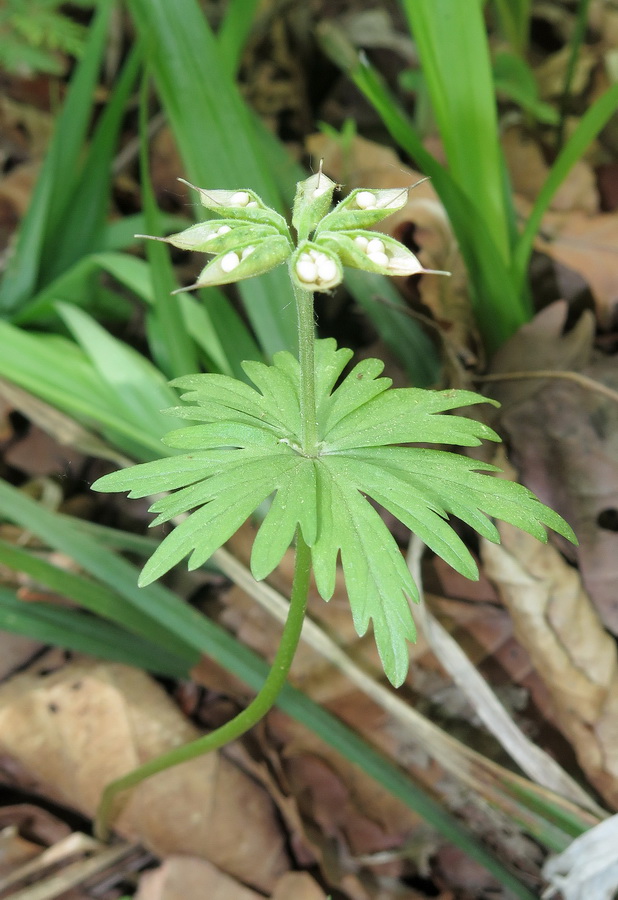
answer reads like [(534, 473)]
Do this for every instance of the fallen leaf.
[(588, 245), (563, 439), (190, 878), (82, 726), (299, 886), (555, 620)]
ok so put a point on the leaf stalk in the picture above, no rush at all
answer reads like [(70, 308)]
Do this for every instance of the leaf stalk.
[(110, 805)]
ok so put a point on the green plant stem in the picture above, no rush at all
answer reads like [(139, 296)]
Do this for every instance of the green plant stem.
[(232, 730), (306, 358)]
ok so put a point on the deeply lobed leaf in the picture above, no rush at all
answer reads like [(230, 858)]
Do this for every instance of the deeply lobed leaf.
[(247, 447)]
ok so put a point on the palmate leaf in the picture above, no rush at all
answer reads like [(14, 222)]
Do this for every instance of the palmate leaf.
[(247, 448)]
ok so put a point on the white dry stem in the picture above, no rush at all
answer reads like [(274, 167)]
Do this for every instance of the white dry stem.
[(537, 764)]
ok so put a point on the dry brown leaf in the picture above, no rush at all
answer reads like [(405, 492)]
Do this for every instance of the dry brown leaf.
[(556, 622), (297, 886), (589, 245), (529, 170), (87, 724), (563, 438), (191, 878)]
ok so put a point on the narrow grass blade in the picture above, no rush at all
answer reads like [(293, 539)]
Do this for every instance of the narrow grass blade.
[(499, 307), (515, 22), (234, 31), (139, 391), (589, 126), (173, 349), (451, 40), (215, 135), (77, 227), (84, 633), (56, 180)]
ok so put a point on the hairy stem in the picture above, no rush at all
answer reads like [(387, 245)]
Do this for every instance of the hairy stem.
[(257, 709), (306, 357)]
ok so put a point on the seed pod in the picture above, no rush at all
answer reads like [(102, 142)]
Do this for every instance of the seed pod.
[(315, 268), (313, 200)]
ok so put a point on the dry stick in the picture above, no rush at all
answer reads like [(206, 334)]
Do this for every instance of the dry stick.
[(461, 761), (577, 377)]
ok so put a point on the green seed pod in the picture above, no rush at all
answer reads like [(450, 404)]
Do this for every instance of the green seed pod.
[(240, 205), (363, 208), (216, 235), (315, 268), (245, 260), (371, 251), (313, 200)]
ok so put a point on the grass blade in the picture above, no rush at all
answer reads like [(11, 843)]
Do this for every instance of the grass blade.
[(500, 309), (234, 31), (77, 228), (195, 89), (84, 633), (464, 103), (588, 127), (54, 185)]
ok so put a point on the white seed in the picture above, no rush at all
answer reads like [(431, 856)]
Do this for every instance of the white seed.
[(365, 200), (240, 198), (306, 270), (252, 204), (224, 229), (247, 251), (327, 269), (229, 262), (361, 241), (375, 245), (320, 190), (379, 258)]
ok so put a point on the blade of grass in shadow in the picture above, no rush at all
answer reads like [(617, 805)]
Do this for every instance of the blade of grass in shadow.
[(234, 31), (575, 42), (451, 40), (188, 631), (588, 127), (514, 20), (84, 633), (77, 228), (75, 285), (499, 308), (56, 180), (172, 346), (215, 137), (91, 595)]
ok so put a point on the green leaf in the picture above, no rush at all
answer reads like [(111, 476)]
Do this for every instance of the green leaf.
[(233, 501), (251, 448), (409, 415), (294, 503), (376, 576)]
